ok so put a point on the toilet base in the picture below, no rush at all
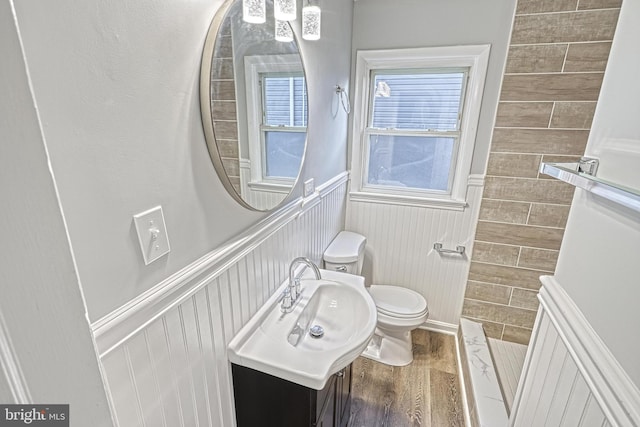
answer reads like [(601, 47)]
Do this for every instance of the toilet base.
[(392, 348)]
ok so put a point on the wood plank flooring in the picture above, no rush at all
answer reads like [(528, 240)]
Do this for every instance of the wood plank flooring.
[(424, 393)]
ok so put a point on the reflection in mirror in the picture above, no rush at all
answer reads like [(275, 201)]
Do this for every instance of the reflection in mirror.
[(253, 98)]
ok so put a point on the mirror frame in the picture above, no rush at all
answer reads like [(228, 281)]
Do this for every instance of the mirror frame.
[(206, 110)]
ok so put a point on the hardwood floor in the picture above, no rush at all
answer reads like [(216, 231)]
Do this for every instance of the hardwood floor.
[(424, 393)]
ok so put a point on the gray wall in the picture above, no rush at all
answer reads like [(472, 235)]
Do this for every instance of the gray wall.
[(46, 347), (116, 85), (383, 24)]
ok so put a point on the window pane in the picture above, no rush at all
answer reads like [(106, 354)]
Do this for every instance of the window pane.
[(416, 162), (417, 101), (283, 153), (285, 101)]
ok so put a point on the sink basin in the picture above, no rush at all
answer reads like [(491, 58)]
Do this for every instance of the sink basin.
[(281, 344)]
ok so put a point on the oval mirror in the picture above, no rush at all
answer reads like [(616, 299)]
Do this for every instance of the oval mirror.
[(253, 98)]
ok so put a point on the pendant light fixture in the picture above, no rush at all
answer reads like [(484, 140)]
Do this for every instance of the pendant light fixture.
[(284, 10), (254, 11), (283, 31), (311, 22)]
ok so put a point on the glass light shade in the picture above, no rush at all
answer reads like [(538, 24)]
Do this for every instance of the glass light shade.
[(284, 33), (311, 23), (254, 11), (284, 10)]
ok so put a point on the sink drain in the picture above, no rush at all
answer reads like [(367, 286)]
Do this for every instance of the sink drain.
[(316, 331)]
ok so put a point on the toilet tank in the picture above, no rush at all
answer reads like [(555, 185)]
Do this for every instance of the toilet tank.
[(345, 253)]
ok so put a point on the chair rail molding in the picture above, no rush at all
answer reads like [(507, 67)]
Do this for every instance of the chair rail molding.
[(112, 330), (605, 388)]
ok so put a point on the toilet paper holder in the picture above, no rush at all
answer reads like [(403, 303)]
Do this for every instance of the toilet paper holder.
[(459, 250)]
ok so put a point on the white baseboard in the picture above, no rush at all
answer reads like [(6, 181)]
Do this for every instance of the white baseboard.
[(442, 327)]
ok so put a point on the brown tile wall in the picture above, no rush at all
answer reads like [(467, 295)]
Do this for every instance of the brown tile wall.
[(223, 104), (555, 66)]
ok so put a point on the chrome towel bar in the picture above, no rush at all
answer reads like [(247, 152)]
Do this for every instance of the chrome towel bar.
[(459, 250)]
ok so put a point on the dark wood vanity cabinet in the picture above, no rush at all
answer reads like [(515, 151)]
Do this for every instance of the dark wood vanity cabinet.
[(264, 400)]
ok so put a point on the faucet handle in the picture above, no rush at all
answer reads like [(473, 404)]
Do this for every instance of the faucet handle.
[(296, 286), (286, 301)]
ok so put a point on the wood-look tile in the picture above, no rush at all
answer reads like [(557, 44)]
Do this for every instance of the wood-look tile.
[(223, 90), (524, 298), (593, 25), (224, 110), (536, 58), (528, 190), (223, 47), (446, 406), (487, 292), (577, 115), (225, 28), (491, 329), (228, 148), (539, 259), (540, 141), (551, 87), (582, 57), (520, 235), (231, 166), (235, 182), (516, 165), (516, 334), (504, 211), (226, 129), (541, 6), (499, 313), (549, 215), (598, 4), (505, 275), (222, 69), (524, 114), (495, 254), (418, 394)]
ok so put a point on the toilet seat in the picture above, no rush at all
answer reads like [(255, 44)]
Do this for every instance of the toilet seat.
[(398, 302)]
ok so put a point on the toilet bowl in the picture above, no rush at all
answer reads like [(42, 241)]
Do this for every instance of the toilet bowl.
[(400, 310)]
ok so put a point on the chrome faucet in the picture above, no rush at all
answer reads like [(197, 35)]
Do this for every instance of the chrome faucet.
[(292, 291)]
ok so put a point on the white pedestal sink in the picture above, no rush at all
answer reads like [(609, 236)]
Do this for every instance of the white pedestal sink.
[(279, 344)]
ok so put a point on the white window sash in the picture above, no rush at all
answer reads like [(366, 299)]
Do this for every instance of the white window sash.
[(475, 58), (255, 66)]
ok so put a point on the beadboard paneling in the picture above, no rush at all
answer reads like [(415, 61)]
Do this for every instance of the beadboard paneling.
[(400, 250), (165, 358), (570, 377)]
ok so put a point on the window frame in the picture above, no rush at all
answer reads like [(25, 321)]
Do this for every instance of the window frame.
[(256, 66), (475, 59)]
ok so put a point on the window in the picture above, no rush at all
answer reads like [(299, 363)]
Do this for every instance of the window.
[(284, 124), (414, 124), (276, 119)]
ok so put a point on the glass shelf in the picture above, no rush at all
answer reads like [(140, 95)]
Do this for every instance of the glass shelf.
[(568, 172)]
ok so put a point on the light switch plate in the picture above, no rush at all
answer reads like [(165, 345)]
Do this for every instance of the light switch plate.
[(309, 187), (152, 234)]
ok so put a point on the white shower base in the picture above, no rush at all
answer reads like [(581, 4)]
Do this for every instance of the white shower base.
[(491, 369)]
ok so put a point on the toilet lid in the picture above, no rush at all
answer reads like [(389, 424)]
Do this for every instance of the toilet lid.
[(397, 301)]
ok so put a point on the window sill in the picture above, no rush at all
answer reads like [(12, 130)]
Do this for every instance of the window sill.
[(270, 186), (422, 202)]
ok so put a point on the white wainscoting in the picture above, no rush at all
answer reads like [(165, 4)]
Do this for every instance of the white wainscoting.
[(400, 250), (570, 378), (164, 355)]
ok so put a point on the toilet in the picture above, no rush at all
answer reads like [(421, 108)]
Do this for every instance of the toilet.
[(400, 310)]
